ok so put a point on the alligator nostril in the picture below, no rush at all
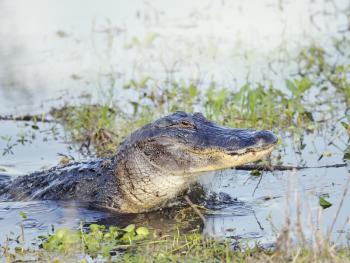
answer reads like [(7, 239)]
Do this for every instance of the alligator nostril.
[(266, 138)]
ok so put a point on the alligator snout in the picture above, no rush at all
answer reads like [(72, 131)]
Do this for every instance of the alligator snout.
[(265, 139), (242, 140)]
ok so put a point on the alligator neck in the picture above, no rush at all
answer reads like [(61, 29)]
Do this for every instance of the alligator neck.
[(143, 184)]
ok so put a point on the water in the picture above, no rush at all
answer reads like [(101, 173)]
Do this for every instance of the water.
[(49, 48), (52, 51)]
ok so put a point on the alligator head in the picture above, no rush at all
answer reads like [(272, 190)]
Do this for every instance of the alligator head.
[(161, 159)]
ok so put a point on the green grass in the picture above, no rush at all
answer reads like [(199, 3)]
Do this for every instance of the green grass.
[(99, 128), (250, 106), (326, 71), (139, 244)]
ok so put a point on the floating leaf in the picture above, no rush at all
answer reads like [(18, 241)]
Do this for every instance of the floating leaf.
[(346, 156), (324, 203), (256, 173), (327, 154), (23, 215), (61, 33), (346, 126)]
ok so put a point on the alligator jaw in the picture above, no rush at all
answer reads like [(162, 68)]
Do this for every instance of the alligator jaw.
[(251, 155), (223, 160)]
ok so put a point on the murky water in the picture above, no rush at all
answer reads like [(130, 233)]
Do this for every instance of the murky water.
[(50, 49)]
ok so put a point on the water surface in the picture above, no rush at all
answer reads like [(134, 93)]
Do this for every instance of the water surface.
[(53, 51)]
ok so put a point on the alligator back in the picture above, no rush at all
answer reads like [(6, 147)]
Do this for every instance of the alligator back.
[(91, 181)]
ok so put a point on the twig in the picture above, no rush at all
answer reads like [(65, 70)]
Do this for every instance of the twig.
[(339, 207), (257, 220), (26, 117), (251, 167), (194, 207), (257, 185), (341, 230)]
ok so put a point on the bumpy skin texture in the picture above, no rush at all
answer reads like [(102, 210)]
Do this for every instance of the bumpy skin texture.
[(92, 181), (152, 166)]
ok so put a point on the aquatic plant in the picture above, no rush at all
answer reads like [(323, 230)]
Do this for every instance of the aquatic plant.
[(251, 105)]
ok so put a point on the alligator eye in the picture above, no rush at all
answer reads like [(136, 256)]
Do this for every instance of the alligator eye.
[(185, 124)]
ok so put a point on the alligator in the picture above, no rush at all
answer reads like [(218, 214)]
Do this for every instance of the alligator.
[(151, 166)]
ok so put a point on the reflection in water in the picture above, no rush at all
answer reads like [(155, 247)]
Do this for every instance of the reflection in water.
[(43, 216)]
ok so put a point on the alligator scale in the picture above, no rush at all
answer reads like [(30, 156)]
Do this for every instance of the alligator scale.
[(152, 166)]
